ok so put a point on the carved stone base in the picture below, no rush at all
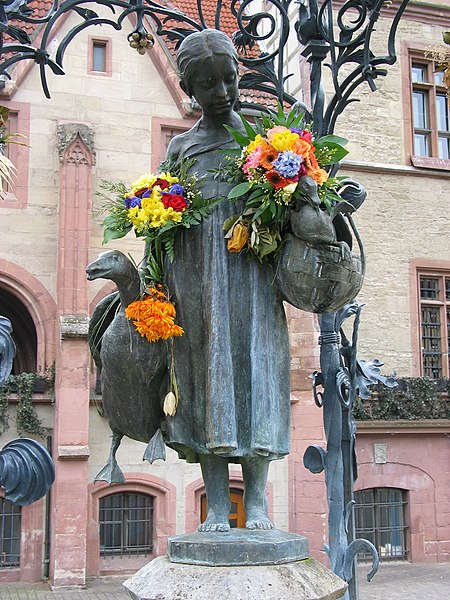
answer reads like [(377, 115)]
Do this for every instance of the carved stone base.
[(301, 580)]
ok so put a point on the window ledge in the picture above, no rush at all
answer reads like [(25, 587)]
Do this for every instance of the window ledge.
[(392, 169), (426, 426), (74, 452), (429, 162), (37, 399)]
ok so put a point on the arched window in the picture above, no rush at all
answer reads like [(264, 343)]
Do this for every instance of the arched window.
[(126, 524), (10, 524), (237, 513), (24, 332), (380, 518)]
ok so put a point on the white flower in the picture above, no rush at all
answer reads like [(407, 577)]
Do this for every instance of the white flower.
[(170, 404), (290, 188)]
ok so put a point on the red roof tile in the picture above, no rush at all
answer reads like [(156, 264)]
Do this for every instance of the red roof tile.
[(228, 24), (40, 8)]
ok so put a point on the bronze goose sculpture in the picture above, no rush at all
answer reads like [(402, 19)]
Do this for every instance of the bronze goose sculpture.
[(133, 371)]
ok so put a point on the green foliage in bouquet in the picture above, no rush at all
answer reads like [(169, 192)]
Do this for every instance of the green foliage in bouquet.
[(275, 155), (154, 206)]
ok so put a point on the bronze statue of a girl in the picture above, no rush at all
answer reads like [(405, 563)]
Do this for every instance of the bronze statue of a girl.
[(232, 364)]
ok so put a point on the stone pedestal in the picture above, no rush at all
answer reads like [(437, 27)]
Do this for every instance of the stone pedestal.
[(239, 565), (300, 580), (238, 547)]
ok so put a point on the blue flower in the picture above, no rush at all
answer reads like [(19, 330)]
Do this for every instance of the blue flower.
[(288, 163), (176, 189), (132, 202)]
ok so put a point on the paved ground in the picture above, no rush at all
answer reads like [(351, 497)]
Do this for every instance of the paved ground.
[(407, 581), (395, 581), (103, 588)]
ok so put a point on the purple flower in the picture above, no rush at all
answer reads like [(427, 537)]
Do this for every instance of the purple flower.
[(132, 202), (303, 133), (288, 164), (176, 189)]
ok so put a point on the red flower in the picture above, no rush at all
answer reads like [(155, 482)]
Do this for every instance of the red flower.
[(163, 184), (178, 203), (306, 135), (276, 179), (140, 193)]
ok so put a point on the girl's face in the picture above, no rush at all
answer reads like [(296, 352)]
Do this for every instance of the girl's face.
[(214, 85)]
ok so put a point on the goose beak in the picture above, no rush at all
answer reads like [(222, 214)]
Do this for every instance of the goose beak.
[(93, 271)]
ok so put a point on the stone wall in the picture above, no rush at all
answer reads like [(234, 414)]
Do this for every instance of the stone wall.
[(401, 221)]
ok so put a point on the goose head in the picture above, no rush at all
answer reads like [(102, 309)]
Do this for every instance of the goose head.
[(113, 265), (308, 186)]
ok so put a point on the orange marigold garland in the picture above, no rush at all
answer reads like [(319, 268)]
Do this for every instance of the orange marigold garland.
[(153, 316)]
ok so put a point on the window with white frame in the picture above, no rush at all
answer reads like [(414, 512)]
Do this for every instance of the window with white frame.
[(99, 56), (430, 109)]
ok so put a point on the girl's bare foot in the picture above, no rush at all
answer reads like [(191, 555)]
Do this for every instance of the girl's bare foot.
[(215, 522), (258, 519)]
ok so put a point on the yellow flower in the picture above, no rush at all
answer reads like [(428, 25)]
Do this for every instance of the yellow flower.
[(290, 188), (132, 212), (258, 141), (148, 180), (170, 404), (284, 140), (144, 181), (152, 213), (138, 218), (239, 237), (168, 177)]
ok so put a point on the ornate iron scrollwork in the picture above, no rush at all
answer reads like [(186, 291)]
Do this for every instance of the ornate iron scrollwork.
[(343, 376), (339, 39)]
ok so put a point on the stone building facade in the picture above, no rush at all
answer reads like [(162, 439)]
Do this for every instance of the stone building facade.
[(111, 120)]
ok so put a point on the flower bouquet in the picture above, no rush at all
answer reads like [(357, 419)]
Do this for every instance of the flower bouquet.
[(279, 164), (7, 169), (154, 206)]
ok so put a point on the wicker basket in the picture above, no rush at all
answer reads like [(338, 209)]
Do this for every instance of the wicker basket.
[(320, 278)]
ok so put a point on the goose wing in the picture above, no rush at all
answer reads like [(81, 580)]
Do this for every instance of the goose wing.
[(101, 319)]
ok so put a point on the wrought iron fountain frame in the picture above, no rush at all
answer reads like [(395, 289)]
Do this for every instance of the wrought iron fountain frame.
[(333, 34)]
